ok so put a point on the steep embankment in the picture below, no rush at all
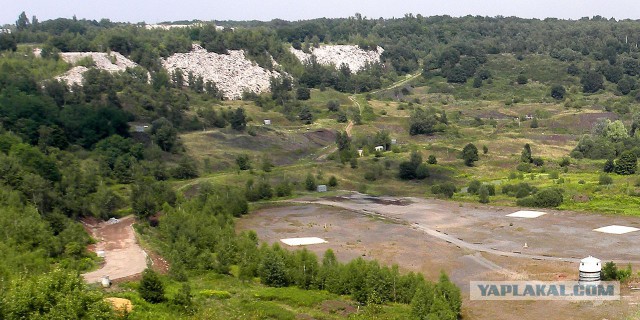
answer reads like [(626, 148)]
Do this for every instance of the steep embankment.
[(232, 73), (351, 55)]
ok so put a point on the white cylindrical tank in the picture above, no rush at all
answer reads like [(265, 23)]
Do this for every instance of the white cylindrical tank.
[(106, 283), (590, 268)]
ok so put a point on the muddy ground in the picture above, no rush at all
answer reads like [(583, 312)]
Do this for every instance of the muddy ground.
[(470, 242)]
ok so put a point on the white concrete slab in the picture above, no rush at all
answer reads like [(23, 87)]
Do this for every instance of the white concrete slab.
[(615, 229), (526, 214), (303, 241)]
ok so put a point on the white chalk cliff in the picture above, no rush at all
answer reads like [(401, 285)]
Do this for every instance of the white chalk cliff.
[(232, 73), (352, 55), (112, 62)]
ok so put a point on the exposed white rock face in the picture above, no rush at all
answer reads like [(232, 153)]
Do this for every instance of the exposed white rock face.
[(112, 62), (232, 73), (172, 26), (352, 55)]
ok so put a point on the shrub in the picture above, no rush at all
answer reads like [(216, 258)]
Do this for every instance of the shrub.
[(609, 271), (492, 189), (310, 182), (303, 93), (520, 190), (554, 175), (447, 189), (333, 105), (422, 171), (333, 181), (558, 92), (626, 164), (522, 79), (470, 154), (432, 159), (151, 288), (353, 163), (523, 167), (370, 175), (216, 294), (474, 187), (605, 179), (565, 162), (485, 149), (283, 189), (183, 298), (538, 162), (483, 194), (547, 198), (243, 162)]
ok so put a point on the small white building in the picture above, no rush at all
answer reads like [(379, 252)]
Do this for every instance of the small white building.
[(590, 269), (267, 122), (360, 152), (322, 188), (379, 148), (394, 141)]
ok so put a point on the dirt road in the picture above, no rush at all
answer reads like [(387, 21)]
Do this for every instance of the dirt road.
[(123, 256)]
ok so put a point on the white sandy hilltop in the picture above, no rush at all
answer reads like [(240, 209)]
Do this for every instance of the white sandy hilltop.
[(232, 73), (112, 62), (352, 55)]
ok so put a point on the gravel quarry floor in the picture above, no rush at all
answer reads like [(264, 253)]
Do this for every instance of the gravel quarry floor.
[(470, 242)]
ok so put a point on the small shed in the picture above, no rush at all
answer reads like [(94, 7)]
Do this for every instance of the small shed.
[(590, 269), (379, 148), (322, 188), (267, 122)]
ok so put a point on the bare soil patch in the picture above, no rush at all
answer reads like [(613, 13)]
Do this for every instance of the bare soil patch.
[(123, 256), (385, 228)]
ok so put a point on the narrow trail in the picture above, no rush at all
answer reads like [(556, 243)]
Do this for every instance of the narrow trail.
[(398, 83), (356, 103)]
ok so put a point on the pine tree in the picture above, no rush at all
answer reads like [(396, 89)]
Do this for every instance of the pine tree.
[(483, 194), (422, 301), (627, 163), (525, 156), (151, 287), (470, 154)]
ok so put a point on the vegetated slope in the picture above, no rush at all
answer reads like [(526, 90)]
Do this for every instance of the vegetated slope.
[(111, 61), (351, 55), (232, 73)]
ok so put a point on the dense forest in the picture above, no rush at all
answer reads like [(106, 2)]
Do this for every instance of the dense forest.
[(72, 152)]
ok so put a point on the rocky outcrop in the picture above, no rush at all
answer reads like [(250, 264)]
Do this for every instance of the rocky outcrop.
[(352, 55), (112, 62), (232, 73)]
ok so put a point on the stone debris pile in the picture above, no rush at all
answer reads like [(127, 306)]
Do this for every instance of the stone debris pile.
[(352, 55), (232, 73), (112, 62)]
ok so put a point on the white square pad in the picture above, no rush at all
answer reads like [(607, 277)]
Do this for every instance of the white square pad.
[(614, 229), (526, 214), (303, 241)]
